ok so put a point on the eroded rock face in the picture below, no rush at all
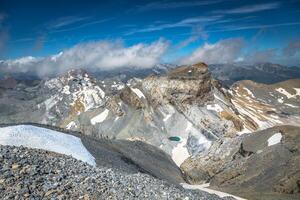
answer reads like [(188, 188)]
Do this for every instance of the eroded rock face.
[(266, 163), (184, 85), (131, 98), (113, 104)]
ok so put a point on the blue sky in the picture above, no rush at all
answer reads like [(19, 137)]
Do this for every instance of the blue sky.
[(256, 29)]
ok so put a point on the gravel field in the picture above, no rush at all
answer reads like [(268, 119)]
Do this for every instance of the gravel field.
[(37, 174)]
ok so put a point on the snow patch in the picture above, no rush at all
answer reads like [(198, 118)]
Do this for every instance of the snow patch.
[(100, 118), (167, 117), (249, 92), (245, 130), (138, 92), (287, 94), (42, 138), (214, 107), (291, 105), (66, 90), (204, 187), (180, 152), (70, 125), (274, 139), (202, 140), (280, 100)]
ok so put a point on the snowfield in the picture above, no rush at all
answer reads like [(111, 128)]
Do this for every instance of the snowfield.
[(100, 118), (274, 139), (180, 152), (138, 93), (204, 187), (42, 138), (214, 107)]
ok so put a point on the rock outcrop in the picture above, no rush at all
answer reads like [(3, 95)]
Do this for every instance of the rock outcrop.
[(261, 165), (184, 85)]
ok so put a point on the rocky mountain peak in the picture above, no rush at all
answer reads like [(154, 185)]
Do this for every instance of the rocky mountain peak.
[(190, 84), (190, 72)]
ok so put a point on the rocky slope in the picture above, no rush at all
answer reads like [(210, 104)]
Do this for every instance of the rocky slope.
[(260, 165), (37, 174), (126, 156), (267, 105), (149, 109)]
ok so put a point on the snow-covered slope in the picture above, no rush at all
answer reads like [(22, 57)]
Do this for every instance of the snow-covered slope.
[(263, 106), (42, 138)]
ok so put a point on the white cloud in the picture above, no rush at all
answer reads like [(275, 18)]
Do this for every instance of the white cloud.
[(100, 55), (65, 21), (166, 5), (234, 50), (188, 22), (251, 8), (197, 33), (224, 51)]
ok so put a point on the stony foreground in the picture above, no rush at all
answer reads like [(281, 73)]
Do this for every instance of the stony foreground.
[(37, 174)]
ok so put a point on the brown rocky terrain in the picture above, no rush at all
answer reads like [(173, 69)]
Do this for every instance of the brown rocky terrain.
[(187, 84), (253, 165)]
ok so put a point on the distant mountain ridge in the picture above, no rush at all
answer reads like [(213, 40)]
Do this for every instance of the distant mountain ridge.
[(268, 73), (227, 74)]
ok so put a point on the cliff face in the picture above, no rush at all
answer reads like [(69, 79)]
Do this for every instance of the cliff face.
[(185, 85)]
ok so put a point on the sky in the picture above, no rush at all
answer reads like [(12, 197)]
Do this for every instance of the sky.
[(118, 33)]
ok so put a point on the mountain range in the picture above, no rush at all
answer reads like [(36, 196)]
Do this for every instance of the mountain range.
[(211, 121)]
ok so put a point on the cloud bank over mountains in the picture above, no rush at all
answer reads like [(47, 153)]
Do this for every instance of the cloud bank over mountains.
[(108, 55), (102, 55), (224, 51), (235, 50)]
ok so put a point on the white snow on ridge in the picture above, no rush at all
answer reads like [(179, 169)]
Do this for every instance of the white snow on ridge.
[(297, 91), (291, 105), (249, 92), (138, 92), (70, 125), (42, 138), (100, 118), (167, 117), (204, 187), (215, 107), (274, 139), (287, 94)]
